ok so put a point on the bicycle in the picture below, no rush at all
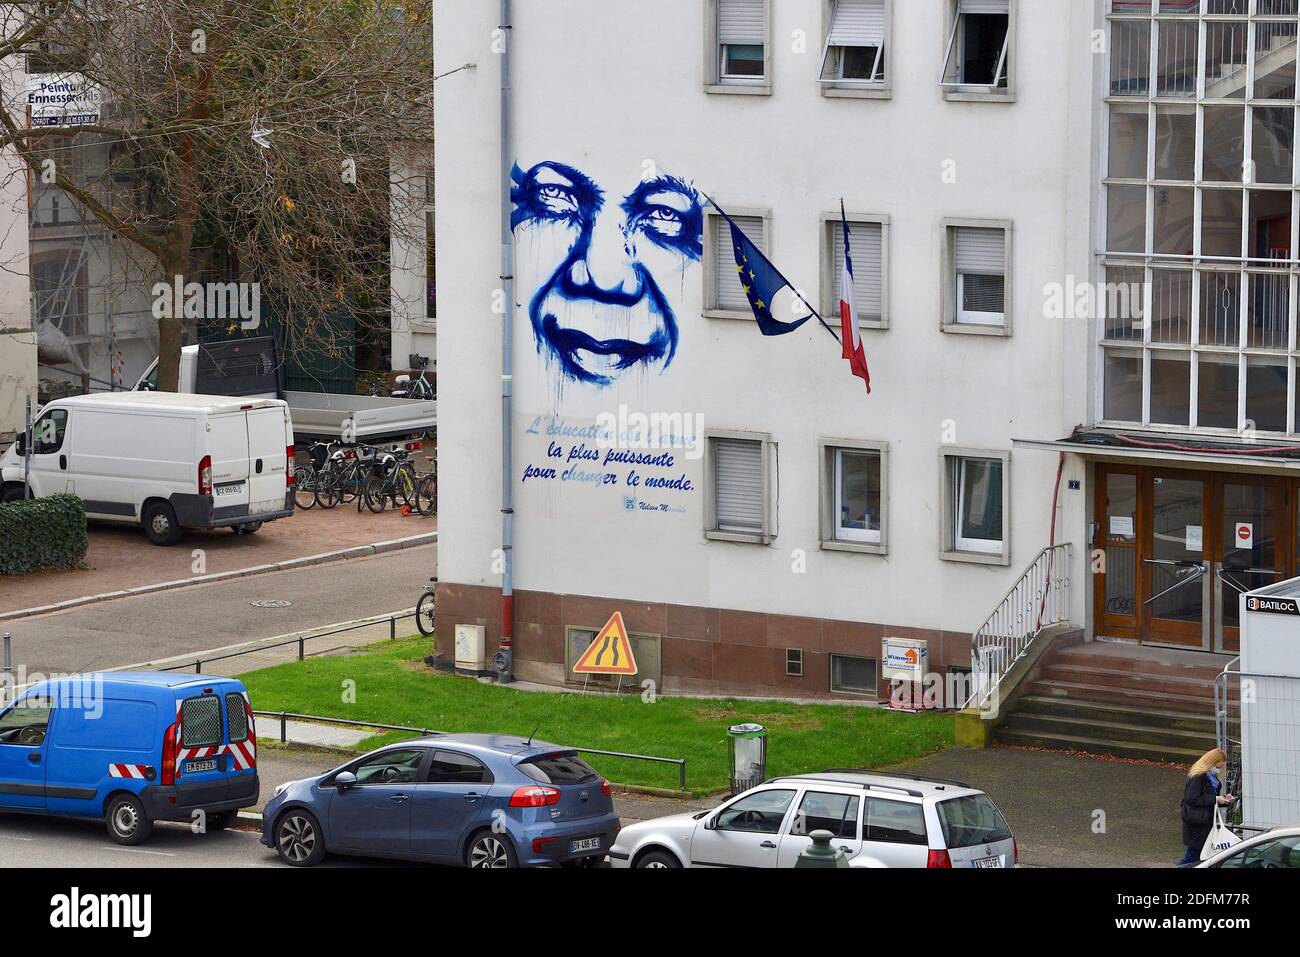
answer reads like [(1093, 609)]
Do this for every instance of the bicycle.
[(422, 388), (424, 608), (344, 478), (393, 476), (426, 491), (307, 475)]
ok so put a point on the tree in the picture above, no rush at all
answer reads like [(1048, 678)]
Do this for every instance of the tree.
[(261, 130)]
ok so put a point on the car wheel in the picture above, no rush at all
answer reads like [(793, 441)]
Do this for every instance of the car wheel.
[(159, 520), (490, 850), (298, 839), (127, 821), (12, 494), (659, 860)]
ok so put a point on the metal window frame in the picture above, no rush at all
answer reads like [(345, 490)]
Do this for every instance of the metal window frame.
[(830, 676), (828, 450), (713, 258), (1005, 70), (879, 87), (950, 458), (949, 317), (714, 80), (831, 238)]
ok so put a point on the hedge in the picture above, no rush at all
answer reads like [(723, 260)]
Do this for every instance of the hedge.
[(42, 533)]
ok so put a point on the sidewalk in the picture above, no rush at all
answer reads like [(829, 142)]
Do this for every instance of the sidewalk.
[(120, 557)]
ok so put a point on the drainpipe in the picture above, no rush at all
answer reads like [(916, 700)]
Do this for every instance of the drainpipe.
[(505, 657)]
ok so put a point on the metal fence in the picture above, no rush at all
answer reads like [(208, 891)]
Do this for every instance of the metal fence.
[(300, 642), (288, 719), (1257, 724)]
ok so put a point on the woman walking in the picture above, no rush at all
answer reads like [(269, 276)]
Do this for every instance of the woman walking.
[(1202, 791)]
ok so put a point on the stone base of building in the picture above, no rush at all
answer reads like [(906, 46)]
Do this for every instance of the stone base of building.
[(711, 651)]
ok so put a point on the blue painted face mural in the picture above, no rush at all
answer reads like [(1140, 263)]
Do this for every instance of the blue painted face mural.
[(601, 308)]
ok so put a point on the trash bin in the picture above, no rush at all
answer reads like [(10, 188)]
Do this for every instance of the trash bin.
[(748, 756)]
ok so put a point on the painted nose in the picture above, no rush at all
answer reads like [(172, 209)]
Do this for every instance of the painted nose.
[(608, 262)]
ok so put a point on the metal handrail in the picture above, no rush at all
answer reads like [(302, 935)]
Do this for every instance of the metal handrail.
[(1038, 599), (286, 716)]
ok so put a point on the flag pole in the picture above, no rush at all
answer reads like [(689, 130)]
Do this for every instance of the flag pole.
[(790, 285)]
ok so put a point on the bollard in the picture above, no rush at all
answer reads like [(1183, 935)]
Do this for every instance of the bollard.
[(9, 658), (820, 853), (300, 647), (392, 628), (284, 729)]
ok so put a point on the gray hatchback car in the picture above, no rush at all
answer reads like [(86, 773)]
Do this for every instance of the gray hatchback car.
[(482, 800)]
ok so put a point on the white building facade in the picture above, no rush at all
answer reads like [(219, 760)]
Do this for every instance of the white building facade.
[(1041, 197), (18, 369)]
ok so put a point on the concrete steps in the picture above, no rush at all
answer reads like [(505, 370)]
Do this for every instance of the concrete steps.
[(1127, 701)]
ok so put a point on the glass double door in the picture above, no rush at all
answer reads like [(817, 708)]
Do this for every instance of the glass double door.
[(1173, 550)]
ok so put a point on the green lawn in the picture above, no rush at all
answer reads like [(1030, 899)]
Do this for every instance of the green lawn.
[(394, 686)]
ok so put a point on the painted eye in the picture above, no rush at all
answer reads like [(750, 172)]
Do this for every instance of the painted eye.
[(557, 198), (664, 219)]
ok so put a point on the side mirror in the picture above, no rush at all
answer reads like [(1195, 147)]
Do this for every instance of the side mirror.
[(20, 444), (711, 822), (344, 780)]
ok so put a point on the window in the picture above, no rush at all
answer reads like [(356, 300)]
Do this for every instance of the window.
[(738, 47), (976, 489), (1200, 186), (48, 432), (737, 474), (794, 662), (972, 820), (853, 675), (201, 722), (758, 813), (978, 254), (868, 250), (854, 58), (853, 495), (397, 766), (26, 722), (894, 822), (561, 768), (979, 48), (1284, 852), (725, 296), (236, 718), (450, 767), (822, 811)]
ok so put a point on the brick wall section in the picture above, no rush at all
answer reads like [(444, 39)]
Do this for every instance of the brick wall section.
[(704, 650)]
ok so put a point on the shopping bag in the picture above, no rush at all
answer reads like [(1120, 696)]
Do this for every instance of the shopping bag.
[(1221, 837)]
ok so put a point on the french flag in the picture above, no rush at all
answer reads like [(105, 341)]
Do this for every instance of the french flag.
[(852, 342)]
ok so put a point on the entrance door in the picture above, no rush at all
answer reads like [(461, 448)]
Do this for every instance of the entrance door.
[(1249, 550), (1174, 567), (1175, 550)]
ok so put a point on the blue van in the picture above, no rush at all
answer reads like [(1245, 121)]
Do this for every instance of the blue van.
[(131, 747)]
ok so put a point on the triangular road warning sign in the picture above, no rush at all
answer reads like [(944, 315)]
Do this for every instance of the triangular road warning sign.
[(610, 653)]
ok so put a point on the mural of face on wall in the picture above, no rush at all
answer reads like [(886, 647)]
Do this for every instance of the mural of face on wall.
[(606, 263)]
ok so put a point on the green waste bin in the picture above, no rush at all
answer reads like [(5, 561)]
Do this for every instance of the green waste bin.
[(748, 756)]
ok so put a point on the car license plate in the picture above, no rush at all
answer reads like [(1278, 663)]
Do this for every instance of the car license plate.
[(987, 862), (231, 488), (585, 844), (193, 766)]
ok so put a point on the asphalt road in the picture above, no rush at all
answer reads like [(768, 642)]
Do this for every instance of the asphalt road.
[(161, 625)]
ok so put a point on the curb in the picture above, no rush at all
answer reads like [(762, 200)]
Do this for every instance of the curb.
[(359, 551)]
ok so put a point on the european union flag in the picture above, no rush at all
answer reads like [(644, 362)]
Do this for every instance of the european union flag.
[(760, 280)]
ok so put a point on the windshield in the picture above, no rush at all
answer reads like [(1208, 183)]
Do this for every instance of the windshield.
[(971, 820)]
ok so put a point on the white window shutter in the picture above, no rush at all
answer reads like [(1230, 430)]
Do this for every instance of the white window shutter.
[(866, 247), (858, 23), (727, 292), (741, 22), (984, 6), (981, 251), (738, 480)]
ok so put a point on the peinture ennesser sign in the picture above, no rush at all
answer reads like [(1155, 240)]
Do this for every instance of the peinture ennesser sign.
[(62, 99)]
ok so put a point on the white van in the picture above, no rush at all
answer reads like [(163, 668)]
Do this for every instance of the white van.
[(165, 460)]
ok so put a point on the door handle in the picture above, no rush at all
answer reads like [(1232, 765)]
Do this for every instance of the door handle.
[(63, 462), (846, 849), (399, 798), (34, 757), (472, 796), (259, 466), (767, 844)]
